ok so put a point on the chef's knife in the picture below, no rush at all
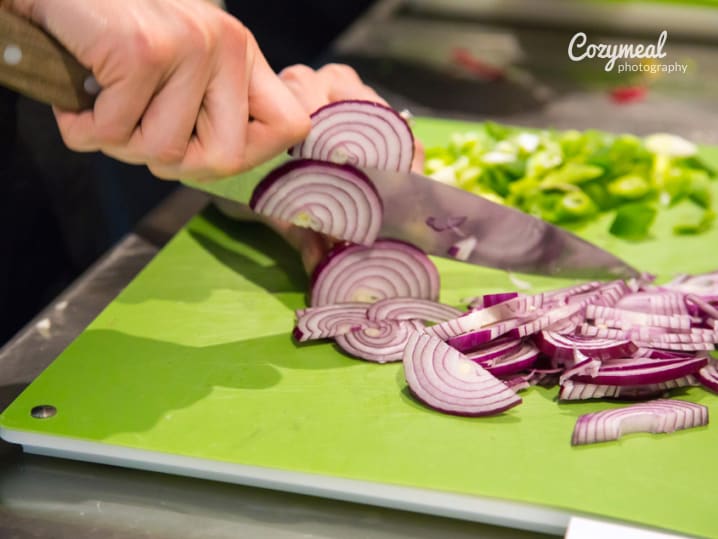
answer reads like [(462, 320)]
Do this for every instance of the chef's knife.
[(39, 67)]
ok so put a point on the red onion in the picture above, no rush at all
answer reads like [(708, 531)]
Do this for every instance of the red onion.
[(443, 379), (521, 359), (363, 133), (329, 321), (561, 347), (489, 300), (658, 416), (381, 344), (708, 375), (387, 269), (666, 303), (498, 348), (571, 390), (338, 200), (411, 308), (641, 371), (623, 319)]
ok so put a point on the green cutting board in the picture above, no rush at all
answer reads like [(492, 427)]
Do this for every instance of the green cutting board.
[(195, 359)]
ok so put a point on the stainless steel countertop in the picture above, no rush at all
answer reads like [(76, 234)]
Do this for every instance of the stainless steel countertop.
[(44, 497)]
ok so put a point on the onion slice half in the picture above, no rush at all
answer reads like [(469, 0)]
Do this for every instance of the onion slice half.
[(362, 133), (444, 379), (338, 200), (658, 416), (387, 269)]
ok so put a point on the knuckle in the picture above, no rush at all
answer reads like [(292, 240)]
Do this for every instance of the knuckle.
[(112, 133), (226, 164), (167, 154), (341, 71), (296, 72)]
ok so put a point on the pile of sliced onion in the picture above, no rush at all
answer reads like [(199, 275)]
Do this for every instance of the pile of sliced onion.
[(377, 298), (617, 340), (362, 133), (337, 200)]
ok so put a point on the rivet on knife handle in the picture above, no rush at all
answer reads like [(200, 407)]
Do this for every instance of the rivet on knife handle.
[(34, 64)]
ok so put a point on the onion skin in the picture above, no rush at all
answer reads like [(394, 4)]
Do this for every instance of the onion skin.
[(363, 133), (338, 200), (390, 268), (658, 416), (445, 380)]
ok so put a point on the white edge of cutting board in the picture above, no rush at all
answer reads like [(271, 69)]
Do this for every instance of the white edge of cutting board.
[(446, 504)]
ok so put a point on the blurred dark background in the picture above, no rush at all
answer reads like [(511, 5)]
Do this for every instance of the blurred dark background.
[(60, 211)]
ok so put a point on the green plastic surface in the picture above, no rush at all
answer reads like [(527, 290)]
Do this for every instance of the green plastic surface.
[(195, 358)]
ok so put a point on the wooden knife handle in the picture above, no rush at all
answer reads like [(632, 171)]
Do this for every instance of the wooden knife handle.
[(34, 64)]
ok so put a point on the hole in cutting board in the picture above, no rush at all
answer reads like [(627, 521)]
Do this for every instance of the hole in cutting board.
[(44, 411)]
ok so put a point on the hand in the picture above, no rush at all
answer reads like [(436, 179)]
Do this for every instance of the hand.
[(185, 88), (314, 89)]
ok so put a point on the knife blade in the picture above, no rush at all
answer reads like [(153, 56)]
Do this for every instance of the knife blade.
[(36, 65)]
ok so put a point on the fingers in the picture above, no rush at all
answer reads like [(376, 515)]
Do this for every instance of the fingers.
[(311, 245), (278, 120), (342, 82), (333, 82)]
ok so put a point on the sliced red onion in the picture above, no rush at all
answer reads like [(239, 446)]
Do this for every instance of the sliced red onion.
[(411, 308), (387, 269), (489, 300), (474, 320), (443, 379), (662, 354), (621, 318), (363, 133), (513, 328), (641, 371), (658, 416), (703, 306), (329, 321), (338, 200), (705, 286), (469, 342), (572, 390), (380, 344), (462, 249), (665, 303), (676, 346), (523, 359), (696, 336), (517, 382), (708, 375), (587, 367), (497, 348), (605, 295), (561, 347)]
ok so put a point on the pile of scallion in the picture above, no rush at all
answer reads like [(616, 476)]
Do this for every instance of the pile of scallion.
[(570, 176)]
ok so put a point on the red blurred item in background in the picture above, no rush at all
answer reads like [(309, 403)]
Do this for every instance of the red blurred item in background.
[(628, 94), (463, 57)]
